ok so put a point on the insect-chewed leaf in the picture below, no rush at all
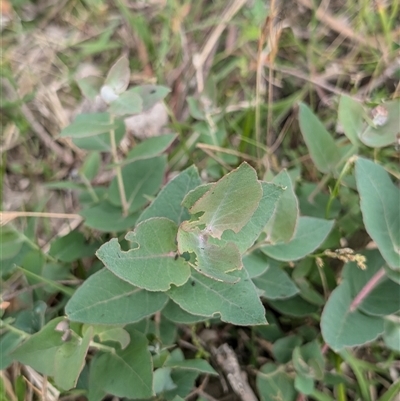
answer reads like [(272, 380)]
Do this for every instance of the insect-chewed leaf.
[(152, 265), (223, 206), (212, 260)]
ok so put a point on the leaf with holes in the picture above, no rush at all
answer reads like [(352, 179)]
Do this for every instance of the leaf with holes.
[(222, 207), (153, 264), (236, 303), (212, 260)]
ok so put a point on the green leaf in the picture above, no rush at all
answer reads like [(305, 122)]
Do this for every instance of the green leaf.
[(295, 306), (126, 103), (380, 206), (153, 264), (283, 348), (91, 165), (198, 365), (309, 361), (101, 140), (195, 194), (72, 246), (151, 94), (311, 232), (106, 299), (308, 293), (141, 178), (276, 283), (124, 373), (322, 147), (350, 116), (282, 225), (393, 275), (90, 86), (150, 147), (256, 264), (196, 108), (184, 379), (387, 133), (168, 201), (39, 350), (8, 342), (88, 125), (108, 218), (176, 314), (119, 75), (11, 242), (274, 384), (163, 381), (304, 384), (342, 327), (235, 303), (212, 260), (69, 361), (246, 237), (391, 334), (384, 298), (109, 333), (223, 207)]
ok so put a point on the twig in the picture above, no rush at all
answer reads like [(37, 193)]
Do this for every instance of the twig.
[(227, 360)]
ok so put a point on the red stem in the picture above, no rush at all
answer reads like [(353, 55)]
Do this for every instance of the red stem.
[(372, 283)]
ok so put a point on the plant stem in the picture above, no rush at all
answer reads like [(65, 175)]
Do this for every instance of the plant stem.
[(341, 389), (118, 170), (13, 329), (65, 290), (371, 284), (335, 190)]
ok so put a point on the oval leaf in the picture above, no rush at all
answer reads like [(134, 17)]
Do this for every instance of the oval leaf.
[(118, 76), (106, 299), (282, 225), (322, 147), (344, 328), (380, 206), (311, 232)]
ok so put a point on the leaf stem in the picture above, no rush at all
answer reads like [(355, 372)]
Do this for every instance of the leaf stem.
[(118, 170), (371, 284)]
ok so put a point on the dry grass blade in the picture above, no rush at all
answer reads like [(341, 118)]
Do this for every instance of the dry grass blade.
[(325, 17), (200, 59), (6, 217)]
